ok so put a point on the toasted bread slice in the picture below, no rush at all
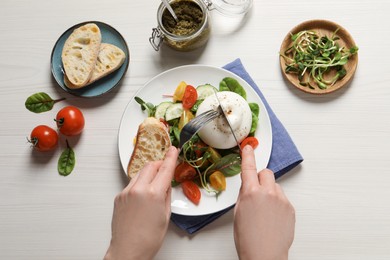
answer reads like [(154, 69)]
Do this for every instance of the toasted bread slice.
[(80, 53), (151, 145), (110, 58)]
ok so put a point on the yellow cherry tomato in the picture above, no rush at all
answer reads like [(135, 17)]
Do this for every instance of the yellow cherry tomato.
[(179, 92), (214, 155), (186, 117), (218, 181)]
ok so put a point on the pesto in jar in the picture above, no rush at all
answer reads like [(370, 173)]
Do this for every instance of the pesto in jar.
[(189, 15)]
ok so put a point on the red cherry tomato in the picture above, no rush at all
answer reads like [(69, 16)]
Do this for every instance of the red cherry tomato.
[(190, 97), (70, 121), (43, 138), (252, 141), (192, 191), (184, 172)]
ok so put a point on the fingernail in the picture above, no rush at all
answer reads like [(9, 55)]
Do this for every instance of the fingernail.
[(248, 148)]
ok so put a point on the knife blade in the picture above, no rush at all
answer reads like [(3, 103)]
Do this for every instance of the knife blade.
[(227, 119)]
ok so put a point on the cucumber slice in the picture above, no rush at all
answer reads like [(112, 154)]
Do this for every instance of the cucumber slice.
[(161, 109), (205, 91), (173, 111)]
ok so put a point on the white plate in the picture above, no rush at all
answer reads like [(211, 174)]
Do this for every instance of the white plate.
[(166, 83)]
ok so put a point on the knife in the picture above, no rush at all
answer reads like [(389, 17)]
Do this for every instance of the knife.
[(227, 119)]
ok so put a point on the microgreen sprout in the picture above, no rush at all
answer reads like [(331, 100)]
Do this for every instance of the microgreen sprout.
[(317, 60), (190, 157), (149, 107)]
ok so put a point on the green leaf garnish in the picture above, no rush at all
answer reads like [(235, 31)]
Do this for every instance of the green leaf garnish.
[(229, 165), (149, 107), (67, 161), (40, 102), (255, 109), (231, 84)]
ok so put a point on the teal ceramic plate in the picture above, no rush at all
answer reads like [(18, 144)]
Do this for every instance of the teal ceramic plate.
[(109, 35)]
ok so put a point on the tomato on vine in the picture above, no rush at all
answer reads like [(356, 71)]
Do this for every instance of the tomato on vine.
[(43, 138), (70, 121)]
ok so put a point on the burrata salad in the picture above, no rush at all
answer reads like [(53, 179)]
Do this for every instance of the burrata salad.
[(211, 155)]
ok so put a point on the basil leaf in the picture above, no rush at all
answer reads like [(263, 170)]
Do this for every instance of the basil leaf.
[(255, 121), (231, 84), (67, 161), (229, 165), (39, 102), (254, 108), (255, 117)]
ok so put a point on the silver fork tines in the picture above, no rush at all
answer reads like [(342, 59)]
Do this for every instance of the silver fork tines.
[(192, 127)]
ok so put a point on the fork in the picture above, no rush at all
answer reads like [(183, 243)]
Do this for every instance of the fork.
[(192, 127)]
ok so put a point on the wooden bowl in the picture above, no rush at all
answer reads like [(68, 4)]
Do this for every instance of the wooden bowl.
[(323, 28)]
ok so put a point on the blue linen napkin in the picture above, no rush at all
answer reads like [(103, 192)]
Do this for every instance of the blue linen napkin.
[(284, 155)]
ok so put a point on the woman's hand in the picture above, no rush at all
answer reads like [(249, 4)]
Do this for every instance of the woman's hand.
[(264, 218), (142, 211)]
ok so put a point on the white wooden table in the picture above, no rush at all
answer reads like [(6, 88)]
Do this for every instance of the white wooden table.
[(340, 192)]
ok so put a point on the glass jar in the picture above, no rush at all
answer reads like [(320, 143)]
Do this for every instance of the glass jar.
[(193, 28)]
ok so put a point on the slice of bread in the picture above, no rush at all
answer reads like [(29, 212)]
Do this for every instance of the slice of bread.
[(80, 53), (151, 145), (110, 58)]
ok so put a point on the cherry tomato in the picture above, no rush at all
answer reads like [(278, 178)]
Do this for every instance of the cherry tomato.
[(192, 191), (218, 181), (252, 141), (184, 172), (214, 155), (43, 138), (190, 97), (179, 91), (185, 117), (70, 121)]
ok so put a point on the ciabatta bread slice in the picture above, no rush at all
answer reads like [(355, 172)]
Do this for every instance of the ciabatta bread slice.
[(80, 53), (110, 58), (151, 145)]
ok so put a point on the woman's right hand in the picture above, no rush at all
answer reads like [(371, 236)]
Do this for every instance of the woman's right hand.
[(264, 219)]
